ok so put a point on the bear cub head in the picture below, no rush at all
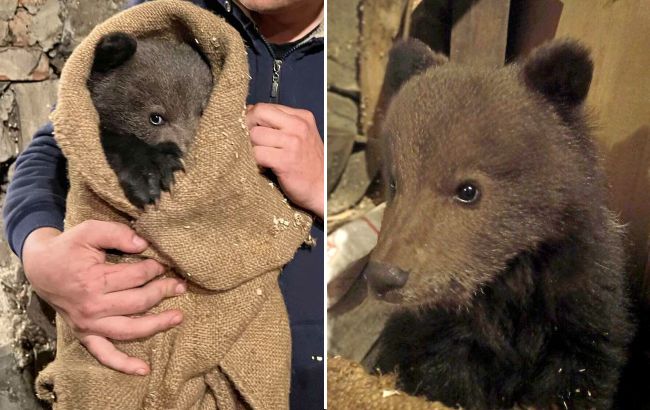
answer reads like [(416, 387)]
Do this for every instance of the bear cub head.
[(481, 166), (150, 94)]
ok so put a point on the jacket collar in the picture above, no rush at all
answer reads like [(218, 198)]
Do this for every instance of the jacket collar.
[(232, 10)]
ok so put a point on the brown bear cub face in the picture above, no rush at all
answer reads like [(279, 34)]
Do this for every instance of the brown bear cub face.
[(149, 94), (496, 236), (482, 165)]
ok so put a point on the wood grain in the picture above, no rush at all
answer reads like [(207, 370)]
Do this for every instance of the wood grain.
[(479, 34), (618, 34), (380, 23)]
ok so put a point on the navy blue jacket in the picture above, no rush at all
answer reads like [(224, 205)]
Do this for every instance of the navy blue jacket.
[(37, 194)]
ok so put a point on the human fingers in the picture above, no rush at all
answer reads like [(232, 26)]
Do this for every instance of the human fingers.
[(129, 328), (109, 235), (124, 276), (269, 115), (141, 299), (269, 158), (306, 115), (270, 137), (107, 354)]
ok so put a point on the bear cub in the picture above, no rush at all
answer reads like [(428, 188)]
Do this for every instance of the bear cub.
[(496, 243), (149, 94)]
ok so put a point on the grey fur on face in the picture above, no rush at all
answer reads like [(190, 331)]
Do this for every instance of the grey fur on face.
[(150, 94)]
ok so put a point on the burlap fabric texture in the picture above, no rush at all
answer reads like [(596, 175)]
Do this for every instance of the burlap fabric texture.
[(350, 387), (225, 228)]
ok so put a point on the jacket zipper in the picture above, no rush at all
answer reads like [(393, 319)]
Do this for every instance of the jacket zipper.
[(277, 62), (277, 68), (275, 85)]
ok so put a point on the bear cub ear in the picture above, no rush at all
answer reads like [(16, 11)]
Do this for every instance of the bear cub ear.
[(113, 50), (408, 58), (561, 71)]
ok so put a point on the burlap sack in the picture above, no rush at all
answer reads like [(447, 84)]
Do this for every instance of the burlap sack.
[(226, 229), (350, 387)]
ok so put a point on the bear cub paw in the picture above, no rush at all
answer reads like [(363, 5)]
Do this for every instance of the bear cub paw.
[(146, 171)]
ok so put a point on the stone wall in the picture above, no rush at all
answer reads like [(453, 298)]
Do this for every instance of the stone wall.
[(361, 34), (36, 37)]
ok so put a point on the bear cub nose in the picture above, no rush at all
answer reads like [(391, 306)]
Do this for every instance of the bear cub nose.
[(383, 278)]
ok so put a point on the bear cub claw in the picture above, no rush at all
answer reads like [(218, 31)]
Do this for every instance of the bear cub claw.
[(149, 94), (146, 171)]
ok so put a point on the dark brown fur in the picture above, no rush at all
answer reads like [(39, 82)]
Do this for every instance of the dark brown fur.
[(519, 297), (131, 80)]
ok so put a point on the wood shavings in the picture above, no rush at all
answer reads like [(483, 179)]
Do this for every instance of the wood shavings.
[(280, 222), (389, 393)]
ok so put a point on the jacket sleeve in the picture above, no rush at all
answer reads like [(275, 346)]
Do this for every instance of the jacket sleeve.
[(36, 196), (37, 193)]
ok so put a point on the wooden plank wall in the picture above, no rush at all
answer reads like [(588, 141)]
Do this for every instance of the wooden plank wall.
[(480, 31), (380, 24), (618, 33)]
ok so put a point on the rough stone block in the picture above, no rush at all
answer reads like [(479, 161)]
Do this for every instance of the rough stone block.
[(343, 48), (16, 391), (343, 113), (20, 29), (23, 64), (32, 5), (15, 387), (8, 147), (47, 26), (35, 101), (7, 9), (4, 33), (6, 104), (83, 16)]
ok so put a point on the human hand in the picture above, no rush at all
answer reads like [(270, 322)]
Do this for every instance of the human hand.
[(70, 272), (287, 141)]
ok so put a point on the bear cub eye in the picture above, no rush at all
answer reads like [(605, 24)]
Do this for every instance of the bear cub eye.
[(467, 193), (156, 119)]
